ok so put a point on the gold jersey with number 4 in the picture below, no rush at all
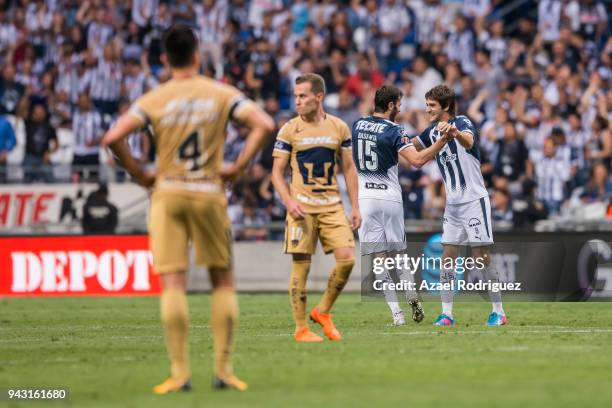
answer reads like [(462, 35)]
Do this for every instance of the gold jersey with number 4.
[(312, 150), (188, 119)]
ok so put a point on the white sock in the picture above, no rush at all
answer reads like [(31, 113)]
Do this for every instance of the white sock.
[(498, 308), (395, 307), (447, 309)]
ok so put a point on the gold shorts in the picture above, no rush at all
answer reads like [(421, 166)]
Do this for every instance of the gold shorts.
[(177, 218), (331, 227)]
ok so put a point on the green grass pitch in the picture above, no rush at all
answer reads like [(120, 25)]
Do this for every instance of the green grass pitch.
[(110, 352)]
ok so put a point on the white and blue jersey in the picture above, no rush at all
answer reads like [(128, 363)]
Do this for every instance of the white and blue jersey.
[(376, 145), (459, 167)]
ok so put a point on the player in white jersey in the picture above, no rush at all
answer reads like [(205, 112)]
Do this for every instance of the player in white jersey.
[(377, 144), (467, 216)]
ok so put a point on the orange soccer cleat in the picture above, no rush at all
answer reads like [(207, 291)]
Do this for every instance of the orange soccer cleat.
[(172, 385), (324, 319), (305, 335)]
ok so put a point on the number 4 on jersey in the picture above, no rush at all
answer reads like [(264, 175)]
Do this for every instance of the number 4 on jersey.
[(190, 151)]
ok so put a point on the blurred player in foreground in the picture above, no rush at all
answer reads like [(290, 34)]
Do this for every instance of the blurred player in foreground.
[(378, 143), (310, 143), (188, 116), (467, 216)]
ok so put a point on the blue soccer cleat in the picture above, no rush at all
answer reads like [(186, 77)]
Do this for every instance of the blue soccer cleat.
[(444, 320), (496, 319)]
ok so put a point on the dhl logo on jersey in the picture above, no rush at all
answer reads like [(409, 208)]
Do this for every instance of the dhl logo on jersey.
[(317, 140)]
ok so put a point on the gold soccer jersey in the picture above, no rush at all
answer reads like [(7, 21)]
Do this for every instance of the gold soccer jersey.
[(188, 119), (312, 150)]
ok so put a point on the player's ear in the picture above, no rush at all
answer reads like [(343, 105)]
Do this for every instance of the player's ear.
[(164, 60)]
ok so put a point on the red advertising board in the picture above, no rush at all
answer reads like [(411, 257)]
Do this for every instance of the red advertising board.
[(77, 266)]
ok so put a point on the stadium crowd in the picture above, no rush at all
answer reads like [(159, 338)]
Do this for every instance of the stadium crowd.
[(533, 76)]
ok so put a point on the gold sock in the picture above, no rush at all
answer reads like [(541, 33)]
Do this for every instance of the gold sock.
[(297, 292), (224, 319), (337, 279), (175, 318)]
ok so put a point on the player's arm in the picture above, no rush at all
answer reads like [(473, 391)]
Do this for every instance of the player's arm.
[(417, 158), (352, 185), (279, 165), (261, 126), (115, 140), (463, 130)]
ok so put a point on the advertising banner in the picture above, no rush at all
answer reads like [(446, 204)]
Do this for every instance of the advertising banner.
[(77, 266)]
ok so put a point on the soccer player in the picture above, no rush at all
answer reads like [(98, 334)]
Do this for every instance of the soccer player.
[(467, 216), (378, 142), (188, 116), (310, 144)]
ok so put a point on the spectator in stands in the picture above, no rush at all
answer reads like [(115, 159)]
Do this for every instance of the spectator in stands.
[(512, 155), (347, 108), (550, 174), (7, 143), (599, 186), (106, 77), (11, 91), (460, 46), (99, 215), (367, 71), (423, 78), (88, 130), (601, 150), (501, 206), (335, 72), (41, 141)]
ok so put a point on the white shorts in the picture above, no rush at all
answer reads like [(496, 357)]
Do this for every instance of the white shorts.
[(382, 226), (468, 223)]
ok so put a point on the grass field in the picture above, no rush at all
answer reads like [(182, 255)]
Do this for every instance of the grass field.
[(109, 352)]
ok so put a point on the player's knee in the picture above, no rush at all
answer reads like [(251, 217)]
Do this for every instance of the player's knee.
[(175, 280), (221, 278)]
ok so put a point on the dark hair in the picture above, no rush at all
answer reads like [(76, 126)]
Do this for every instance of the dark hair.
[(179, 44), (444, 95), (385, 95), (317, 83)]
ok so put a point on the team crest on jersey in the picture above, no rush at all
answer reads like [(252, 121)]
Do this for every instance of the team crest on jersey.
[(475, 223), (296, 235)]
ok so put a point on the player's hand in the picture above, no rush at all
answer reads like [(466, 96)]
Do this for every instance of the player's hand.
[(355, 219), (146, 179), (443, 127), (295, 210), (230, 174)]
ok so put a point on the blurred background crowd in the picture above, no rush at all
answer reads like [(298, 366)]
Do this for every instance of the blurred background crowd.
[(534, 76)]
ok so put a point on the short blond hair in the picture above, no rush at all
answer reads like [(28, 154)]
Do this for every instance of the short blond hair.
[(317, 83)]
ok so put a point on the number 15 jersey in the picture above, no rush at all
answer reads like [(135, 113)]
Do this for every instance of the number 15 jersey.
[(377, 143), (312, 150)]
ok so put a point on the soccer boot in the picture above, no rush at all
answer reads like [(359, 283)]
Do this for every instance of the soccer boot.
[(496, 319), (229, 383), (324, 319), (444, 320), (418, 314), (399, 319), (172, 385), (305, 335)]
